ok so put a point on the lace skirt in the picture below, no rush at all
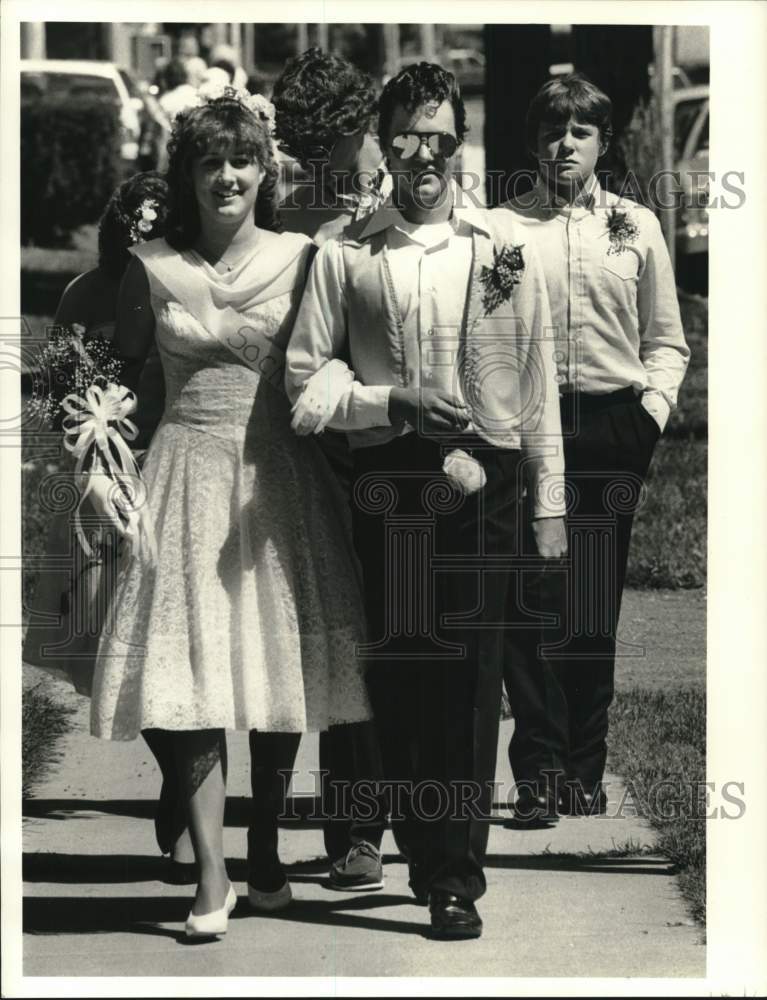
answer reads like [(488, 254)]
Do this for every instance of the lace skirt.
[(251, 616)]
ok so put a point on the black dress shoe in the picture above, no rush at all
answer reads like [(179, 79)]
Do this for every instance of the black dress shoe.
[(452, 916), (531, 809)]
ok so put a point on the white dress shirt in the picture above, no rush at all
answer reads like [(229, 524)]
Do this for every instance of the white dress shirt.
[(614, 307), (394, 299)]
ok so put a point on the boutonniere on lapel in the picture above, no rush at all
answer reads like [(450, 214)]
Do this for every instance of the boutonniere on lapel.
[(621, 229), (499, 280)]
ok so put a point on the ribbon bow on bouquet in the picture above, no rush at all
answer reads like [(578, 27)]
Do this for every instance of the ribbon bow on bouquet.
[(96, 429)]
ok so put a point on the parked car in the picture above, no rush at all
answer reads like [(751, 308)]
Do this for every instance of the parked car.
[(691, 121), (79, 77), (468, 67)]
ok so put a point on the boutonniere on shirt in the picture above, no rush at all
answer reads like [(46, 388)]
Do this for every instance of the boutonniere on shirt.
[(500, 279), (463, 470), (621, 229)]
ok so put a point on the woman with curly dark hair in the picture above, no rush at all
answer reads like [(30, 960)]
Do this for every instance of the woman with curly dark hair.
[(75, 596), (326, 110), (247, 614)]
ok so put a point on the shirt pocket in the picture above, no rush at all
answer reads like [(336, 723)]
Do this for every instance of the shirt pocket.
[(623, 265), (618, 279)]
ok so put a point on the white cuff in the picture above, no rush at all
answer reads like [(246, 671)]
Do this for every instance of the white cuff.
[(370, 406), (657, 406)]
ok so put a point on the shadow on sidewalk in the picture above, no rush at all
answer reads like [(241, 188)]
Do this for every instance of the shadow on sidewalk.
[(302, 812), (582, 863), (108, 869), (89, 915), (146, 914)]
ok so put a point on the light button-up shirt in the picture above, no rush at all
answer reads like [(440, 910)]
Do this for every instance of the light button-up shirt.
[(613, 303), (430, 267)]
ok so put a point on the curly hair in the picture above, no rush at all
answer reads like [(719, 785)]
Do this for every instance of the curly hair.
[(218, 125), (118, 226), (319, 98), (412, 87)]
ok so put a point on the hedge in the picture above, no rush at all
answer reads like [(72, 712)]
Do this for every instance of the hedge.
[(69, 166)]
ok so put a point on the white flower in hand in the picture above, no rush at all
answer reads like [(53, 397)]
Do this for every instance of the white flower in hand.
[(464, 471)]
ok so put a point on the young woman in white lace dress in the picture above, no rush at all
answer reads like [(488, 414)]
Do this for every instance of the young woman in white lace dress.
[(250, 614)]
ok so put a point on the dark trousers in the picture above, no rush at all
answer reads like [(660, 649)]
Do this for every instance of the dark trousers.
[(436, 615), (559, 674), (349, 756)]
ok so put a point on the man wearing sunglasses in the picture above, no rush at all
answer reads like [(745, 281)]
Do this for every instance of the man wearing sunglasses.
[(438, 372)]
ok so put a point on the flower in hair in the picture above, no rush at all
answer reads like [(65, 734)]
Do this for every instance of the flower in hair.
[(144, 219), (257, 104)]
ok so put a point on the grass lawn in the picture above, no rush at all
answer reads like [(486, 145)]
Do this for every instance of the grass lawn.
[(691, 415), (43, 723), (81, 256), (668, 544), (662, 640), (657, 743)]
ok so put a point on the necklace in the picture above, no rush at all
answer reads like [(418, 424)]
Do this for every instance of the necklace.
[(220, 259)]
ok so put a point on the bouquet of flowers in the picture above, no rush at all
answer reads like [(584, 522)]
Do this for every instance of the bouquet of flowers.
[(69, 363), (84, 396)]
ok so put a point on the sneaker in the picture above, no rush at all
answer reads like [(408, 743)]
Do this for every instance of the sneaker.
[(361, 869)]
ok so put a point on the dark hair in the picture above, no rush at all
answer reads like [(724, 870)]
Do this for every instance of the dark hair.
[(412, 87), (319, 98), (175, 74), (566, 97), (226, 66), (217, 125), (119, 225)]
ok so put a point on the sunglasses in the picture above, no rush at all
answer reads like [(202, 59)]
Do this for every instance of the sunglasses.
[(407, 144)]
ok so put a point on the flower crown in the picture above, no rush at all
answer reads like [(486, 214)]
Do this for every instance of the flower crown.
[(257, 104)]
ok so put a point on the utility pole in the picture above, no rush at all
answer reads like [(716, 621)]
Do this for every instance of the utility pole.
[(302, 38), (663, 83), (428, 43), (391, 50)]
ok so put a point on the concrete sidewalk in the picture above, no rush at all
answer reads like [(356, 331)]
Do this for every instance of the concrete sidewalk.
[(94, 905)]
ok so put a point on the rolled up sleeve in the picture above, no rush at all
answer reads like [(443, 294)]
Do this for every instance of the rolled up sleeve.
[(319, 335)]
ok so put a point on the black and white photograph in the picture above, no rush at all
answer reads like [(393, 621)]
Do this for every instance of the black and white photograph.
[(383, 558)]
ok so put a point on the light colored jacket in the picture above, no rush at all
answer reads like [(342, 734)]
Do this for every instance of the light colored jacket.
[(504, 363)]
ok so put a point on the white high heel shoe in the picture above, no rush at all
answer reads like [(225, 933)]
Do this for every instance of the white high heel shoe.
[(212, 924)]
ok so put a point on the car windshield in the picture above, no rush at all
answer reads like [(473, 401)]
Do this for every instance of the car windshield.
[(684, 118), (130, 83), (66, 85)]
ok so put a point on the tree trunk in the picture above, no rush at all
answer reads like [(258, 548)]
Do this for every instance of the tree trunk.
[(518, 59)]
